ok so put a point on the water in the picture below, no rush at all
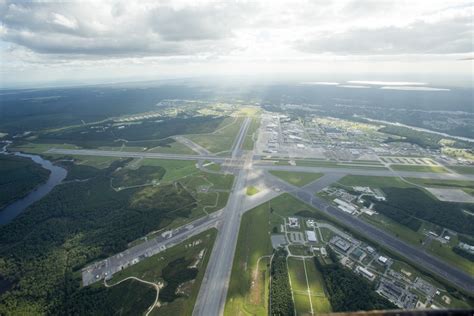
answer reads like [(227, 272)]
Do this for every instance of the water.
[(56, 176)]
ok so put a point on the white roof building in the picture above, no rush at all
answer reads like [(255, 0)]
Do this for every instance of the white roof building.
[(311, 236), (383, 259)]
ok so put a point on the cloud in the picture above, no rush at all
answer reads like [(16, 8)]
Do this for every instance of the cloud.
[(104, 29), (443, 37)]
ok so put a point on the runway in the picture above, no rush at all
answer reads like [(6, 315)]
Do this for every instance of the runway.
[(409, 252)]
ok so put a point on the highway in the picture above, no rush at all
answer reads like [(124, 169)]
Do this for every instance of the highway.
[(413, 254)]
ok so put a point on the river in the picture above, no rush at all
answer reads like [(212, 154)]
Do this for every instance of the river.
[(56, 176)]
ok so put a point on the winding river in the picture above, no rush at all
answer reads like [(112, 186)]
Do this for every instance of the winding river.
[(55, 177)]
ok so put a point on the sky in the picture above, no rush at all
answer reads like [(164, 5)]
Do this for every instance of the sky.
[(105, 41)]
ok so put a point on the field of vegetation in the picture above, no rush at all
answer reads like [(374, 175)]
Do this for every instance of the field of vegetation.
[(150, 133), (349, 291), (180, 269), (222, 138), (19, 177), (297, 178), (43, 249)]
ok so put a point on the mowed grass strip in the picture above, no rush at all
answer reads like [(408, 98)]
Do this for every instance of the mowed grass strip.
[(222, 138), (434, 169), (298, 179), (251, 190), (319, 297), (299, 286), (253, 243)]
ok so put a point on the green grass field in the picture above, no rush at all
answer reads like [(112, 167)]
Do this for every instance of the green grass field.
[(334, 164), (373, 182), (297, 178), (151, 268), (445, 251), (253, 243), (251, 134), (173, 148), (462, 169), (435, 169), (252, 190), (222, 138), (316, 285), (299, 286), (175, 169)]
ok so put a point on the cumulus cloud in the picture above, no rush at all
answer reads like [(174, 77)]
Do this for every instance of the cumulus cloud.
[(230, 33)]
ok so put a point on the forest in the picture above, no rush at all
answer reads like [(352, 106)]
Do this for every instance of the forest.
[(464, 253), (409, 204), (43, 250), (281, 301), (19, 177), (348, 291)]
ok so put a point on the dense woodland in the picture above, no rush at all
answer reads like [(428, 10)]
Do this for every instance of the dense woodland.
[(464, 253), (281, 301), (43, 250), (349, 292), (19, 176), (423, 139), (408, 205)]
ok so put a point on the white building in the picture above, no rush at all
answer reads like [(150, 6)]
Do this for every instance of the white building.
[(293, 222), (383, 259), (311, 236)]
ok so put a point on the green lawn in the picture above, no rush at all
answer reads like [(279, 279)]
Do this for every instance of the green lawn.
[(446, 253), (334, 164), (296, 178), (151, 268), (175, 169), (394, 228), (435, 169), (374, 182), (251, 190), (463, 169), (319, 299), (316, 285), (253, 243), (222, 138), (251, 134), (172, 148)]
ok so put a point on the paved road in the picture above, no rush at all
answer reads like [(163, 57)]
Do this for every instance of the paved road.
[(125, 154), (213, 290), (414, 254), (239, 140), (107, 267), (368, 172)]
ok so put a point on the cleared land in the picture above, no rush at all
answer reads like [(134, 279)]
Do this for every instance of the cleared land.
[(297, 178), (436, 169), (463, 169), (169, 268), (251, 134), (247, 294), (222, 138)]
